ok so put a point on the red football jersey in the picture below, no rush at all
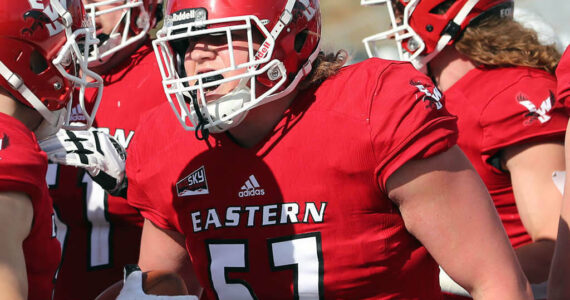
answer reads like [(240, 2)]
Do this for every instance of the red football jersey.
[(101, 233), (305, 212), (22, 165), (498, 108), (563, 77)]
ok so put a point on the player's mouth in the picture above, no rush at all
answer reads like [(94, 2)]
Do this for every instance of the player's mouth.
[(103, 37), (210, 89)]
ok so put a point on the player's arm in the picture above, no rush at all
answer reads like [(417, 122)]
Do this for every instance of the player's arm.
[(558, 287), (165, 250), (162, 250), (538, 201), (16, 214), (446, 206)]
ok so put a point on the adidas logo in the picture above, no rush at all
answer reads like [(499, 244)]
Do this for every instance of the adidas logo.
[(251, 188), (77, 114)]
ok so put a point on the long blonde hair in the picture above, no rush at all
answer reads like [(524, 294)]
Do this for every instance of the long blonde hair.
[(504, 43)]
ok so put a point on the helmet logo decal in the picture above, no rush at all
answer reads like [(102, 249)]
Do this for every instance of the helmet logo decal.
[(264, 49), (506, 12), (44, 16), (308, 12), (188, 15)]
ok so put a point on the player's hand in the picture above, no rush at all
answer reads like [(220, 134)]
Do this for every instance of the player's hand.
[(133, 287), (95, 151)]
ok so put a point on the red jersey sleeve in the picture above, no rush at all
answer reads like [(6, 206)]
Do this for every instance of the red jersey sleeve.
[(525, 110), (408, 119), (143, 147), (21, 159), (22, 169)]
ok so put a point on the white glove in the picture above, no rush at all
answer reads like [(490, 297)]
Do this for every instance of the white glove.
[(133, 289), (95, 151)]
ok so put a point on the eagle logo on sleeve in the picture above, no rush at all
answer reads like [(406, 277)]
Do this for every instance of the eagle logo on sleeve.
[(534, 113), (432, 97)]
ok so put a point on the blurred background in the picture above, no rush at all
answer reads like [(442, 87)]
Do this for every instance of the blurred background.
[(346, 23)]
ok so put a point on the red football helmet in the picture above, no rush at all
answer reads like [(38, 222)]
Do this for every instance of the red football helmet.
[(421, 30), (40, 61), (137, 18), (290, 41)]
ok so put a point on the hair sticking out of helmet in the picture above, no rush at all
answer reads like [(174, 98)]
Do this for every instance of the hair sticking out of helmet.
[(282, 40), (428, 26), (546, 33), (41, 64)]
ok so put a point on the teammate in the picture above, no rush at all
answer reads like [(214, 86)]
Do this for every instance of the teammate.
[(558, 287), (498, 79), (40, 67), (101, 232), (294, 178)]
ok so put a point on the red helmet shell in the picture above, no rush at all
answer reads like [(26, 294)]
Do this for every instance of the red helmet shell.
[(32, 34), (429, 25)]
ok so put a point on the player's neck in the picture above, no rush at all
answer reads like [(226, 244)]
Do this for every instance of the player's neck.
[(260, 122), (24, 114), (448, 67)]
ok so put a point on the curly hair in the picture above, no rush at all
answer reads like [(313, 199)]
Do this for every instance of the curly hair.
[(503, 42), (325, 66)]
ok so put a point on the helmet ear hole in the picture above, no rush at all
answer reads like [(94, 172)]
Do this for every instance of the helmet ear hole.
[(442, 8), (300, 39), (38, 63)]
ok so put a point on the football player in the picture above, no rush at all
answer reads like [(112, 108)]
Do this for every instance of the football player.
[(558, 288), (287, 176), (41, 65), (100, 232), (498, 79)]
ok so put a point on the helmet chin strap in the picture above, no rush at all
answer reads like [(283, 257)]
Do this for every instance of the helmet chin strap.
[(201, 121)]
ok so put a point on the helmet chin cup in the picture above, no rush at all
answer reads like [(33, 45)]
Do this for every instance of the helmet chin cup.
[(221, 114), (47, 129)]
